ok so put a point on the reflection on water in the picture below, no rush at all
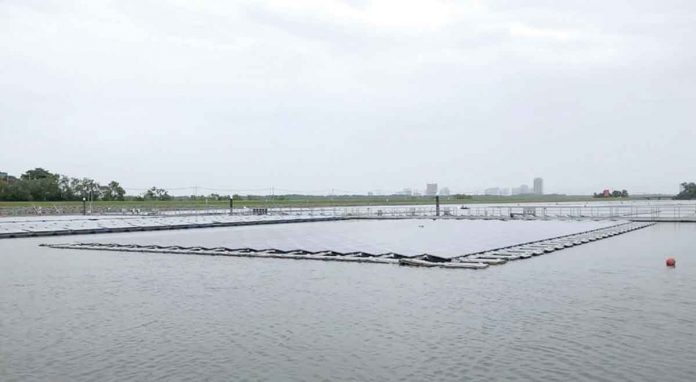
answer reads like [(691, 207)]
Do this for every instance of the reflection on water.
[(608, 310)]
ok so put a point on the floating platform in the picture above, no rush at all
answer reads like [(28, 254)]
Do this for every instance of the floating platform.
[(449, 264), (81, 226), (477, 260)]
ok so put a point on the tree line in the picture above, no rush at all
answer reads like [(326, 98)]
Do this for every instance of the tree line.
[(611, 194), (42, 185)]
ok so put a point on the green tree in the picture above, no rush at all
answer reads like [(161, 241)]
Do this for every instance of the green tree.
[(66, 190), (14, 191), (38, 173), (155, 193), (87, 188), (41, 184), (112, 191), (688, 191)]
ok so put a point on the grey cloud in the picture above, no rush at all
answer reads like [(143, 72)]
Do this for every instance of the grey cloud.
[(251, 96)]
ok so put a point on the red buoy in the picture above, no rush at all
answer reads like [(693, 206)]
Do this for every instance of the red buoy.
[(671, 262)]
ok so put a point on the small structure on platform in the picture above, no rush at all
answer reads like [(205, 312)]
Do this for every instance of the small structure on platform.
[(527, 212)]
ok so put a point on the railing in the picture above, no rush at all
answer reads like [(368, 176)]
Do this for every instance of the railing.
[(686, 211), (633, 211)]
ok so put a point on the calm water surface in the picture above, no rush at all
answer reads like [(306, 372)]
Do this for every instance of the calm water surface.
[(410, 237), (608, 310)]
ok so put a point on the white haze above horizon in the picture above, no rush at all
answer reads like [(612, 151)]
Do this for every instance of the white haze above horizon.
[(351, 96)]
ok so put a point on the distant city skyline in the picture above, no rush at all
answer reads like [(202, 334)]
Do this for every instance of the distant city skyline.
[(523, 189), (408, 191)]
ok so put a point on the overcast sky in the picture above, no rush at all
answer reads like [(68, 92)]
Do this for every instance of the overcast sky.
[(351, 95)]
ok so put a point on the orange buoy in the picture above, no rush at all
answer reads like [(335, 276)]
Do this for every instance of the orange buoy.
[(671, 262)]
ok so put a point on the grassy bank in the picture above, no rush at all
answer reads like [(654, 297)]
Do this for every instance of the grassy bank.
[(308, 201)]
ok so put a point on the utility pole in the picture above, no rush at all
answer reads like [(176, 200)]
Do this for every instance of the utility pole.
[(437, 205), (195, 194)]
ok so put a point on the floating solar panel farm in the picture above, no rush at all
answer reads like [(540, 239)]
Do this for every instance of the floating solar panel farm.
[(444, 238)]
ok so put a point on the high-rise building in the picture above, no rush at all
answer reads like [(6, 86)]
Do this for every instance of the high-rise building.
[(445, 191), (538, 186), (492, 191), (431, 189)]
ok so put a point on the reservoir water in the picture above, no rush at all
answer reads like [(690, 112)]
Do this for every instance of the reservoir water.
[(608, 310), (445, 238)]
